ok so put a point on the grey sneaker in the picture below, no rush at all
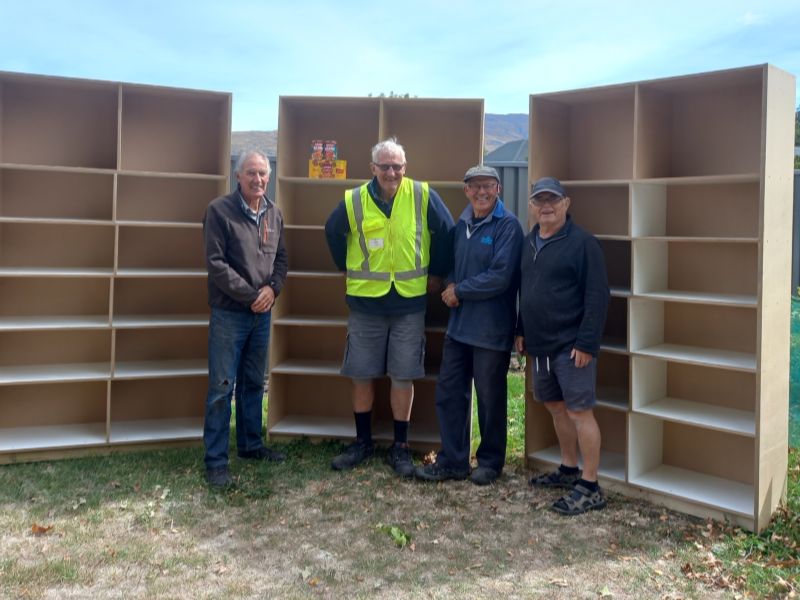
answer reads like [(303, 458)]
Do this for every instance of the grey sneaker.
[(483, 475), (556, 479), (219, 477), (437, 472), (353, 455), (399, 458)]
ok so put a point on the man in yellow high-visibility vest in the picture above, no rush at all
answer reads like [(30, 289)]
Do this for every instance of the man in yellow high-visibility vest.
[(391, 236)]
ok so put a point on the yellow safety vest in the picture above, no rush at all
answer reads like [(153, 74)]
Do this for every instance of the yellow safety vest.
[(381, 250)]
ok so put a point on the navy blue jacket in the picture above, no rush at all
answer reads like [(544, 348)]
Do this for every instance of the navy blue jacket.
[(564, 293), (486, 274), (439, 224)]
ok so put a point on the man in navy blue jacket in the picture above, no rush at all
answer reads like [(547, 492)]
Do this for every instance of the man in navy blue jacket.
[(562, 310), (481, 293)]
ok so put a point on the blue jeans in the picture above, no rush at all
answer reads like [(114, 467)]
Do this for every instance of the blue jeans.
[(237, 352), (462, 365)]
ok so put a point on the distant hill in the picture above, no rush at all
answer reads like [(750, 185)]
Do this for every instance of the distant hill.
[(498, 129)]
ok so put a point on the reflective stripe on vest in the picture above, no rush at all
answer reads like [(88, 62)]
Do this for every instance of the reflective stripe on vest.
[(359, 269)]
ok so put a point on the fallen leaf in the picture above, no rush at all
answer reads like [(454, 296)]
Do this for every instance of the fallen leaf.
[(605, 592), (559, 582), (313, 582)]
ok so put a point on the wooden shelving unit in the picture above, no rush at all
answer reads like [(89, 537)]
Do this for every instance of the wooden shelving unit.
[(103, 314), (687, 183), (442, 139)]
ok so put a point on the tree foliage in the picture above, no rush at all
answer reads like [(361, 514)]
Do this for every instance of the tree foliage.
[(391, 95)]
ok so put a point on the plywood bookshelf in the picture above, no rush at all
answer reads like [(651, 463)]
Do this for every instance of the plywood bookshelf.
[(687, 183), (103, 314), (442, 139)]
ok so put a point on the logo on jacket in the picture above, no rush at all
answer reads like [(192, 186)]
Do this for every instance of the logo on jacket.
[(487, 239)]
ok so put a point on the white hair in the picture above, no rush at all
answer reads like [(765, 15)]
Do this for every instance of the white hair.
[(389, 145), (244, 156)]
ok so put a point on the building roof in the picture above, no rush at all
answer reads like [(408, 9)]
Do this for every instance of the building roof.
[(511, 153)]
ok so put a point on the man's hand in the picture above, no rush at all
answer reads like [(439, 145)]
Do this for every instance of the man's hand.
[(581, 358), (449, 295), (265, 300), (519, 344)]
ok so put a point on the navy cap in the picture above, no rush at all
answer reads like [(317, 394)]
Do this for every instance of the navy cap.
[(481, 171), (548, 184)]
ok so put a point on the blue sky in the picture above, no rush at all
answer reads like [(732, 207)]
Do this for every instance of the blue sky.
[(495, 49)]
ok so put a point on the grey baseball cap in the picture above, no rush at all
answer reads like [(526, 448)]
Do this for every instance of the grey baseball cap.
[(481, 171), (548, 184)]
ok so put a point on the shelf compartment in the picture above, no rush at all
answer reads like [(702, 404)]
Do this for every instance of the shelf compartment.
[(309, 202), (165, 199), (29, 356), (583, 135), (305, 343), (52, 248), (50, 122), (327, 412), (615, 333), (705, 272), (702, 396), (161, 248), (612, 424), (698, 207), (600, 209), (707, 467), (429, 129), (352, 122), (166, 130), (617, 254), (311, 296), (452, 194), (48, 194), (160, 351), (27, 302), (613, 380), (159, 300), (39, 417), (700, 125), (155, 411), (716, 336), (307, 250)]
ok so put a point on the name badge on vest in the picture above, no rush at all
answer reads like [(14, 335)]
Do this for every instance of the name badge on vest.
[(375, 243)]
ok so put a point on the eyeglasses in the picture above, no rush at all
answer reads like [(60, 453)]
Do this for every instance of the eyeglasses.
[(545, 200), (477, 187), (386, 166)]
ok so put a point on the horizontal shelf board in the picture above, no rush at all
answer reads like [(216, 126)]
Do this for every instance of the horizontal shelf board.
[(155, 430), (703, 179), (619, 291), (53, 322), (21, 439), (163, 175), (133, 272), (615, 345), (153, 369), (311, 321), (612, 464), (710, 491), (710, 416), (317, 274), (166, 224), (327, 368), (596, 182), (612, 237), (55, 169), (149, 321), (712, 357), (304, 227), (344, 427), (698, 239), (54, 272), (744, 300), (318, 181), (615, 398), (55, 221), (307, 367), (54, 373)]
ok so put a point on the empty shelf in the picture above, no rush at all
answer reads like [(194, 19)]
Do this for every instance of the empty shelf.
[(150, 369), (53, 322), (156, 430), (20, 439), (710, 416), (612, 464), (54, 373), (711, 357)]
